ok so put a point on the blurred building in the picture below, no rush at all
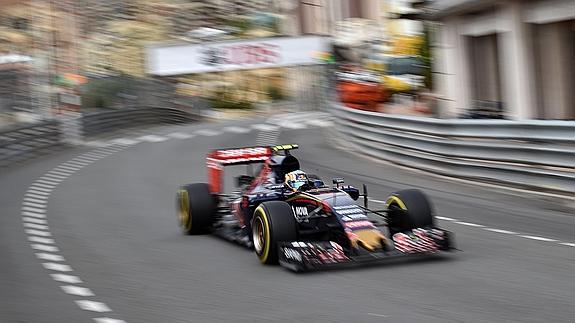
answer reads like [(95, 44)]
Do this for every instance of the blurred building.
[(518, 55)]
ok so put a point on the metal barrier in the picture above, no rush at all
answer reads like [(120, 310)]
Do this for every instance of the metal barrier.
[(22, 143), (535, 154), (102, 122)]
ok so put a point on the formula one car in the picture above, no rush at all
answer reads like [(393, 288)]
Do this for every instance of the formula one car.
[(293, 218)]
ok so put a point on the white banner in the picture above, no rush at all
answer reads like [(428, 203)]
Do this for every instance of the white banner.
[(164, 60)]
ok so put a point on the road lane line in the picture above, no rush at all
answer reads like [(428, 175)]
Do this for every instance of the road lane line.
[(36, 226), (469, 224), (445, 218), (64, 278), (41, 240), (93, 306), (538, 238), (43, 247), (49, 256), (77, 290), (568, 244), (34, 215), (107, 320), (56, 267), (34, 220), (38, 233), (500, 231)]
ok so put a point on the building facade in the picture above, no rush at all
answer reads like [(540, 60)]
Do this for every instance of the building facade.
[(518, 54)]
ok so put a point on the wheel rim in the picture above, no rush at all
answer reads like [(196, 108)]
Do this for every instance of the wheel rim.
[(258, 232), (184, 210)]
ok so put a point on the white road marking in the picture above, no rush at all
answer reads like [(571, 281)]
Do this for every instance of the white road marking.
[(62, 172), (377, 201), (378, 315), (69, 279), (33, 220), (36, 226), (33, 209), (568, 244), (32, 191), (77, 290), (35, 215), (236, 129), (469, 224), (49, 256), (41, 240), (38, 233), (445, 218), (86, 159), (293, 125), (207, 132), (152, 138), (51, 176), (265, 127), (36, 205), (77, 163), (42, 247), (68, 168), (95, 155), (93, 306), (180, 135), (44, 186), (538, 238), (30, 199), (107, 320), (320, 123), (37, 188), (56, 267), (50, 182), (500, 231), (124, 141)]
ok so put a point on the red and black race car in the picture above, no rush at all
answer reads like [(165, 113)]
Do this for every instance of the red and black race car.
[(292, 218)]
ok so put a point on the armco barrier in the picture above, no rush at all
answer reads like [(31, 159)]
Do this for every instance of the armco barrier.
[(536, 154), (26, 142), (22, 143), (102, 122)]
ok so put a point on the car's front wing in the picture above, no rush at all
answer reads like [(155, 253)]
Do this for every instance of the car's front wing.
[(312, 255)]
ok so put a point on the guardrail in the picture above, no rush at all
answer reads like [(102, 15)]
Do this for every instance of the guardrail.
[(26, 142), (22, 143), (535, 154), (102, 122)]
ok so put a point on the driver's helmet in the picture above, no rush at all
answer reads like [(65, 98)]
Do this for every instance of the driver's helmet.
[(296, 179)]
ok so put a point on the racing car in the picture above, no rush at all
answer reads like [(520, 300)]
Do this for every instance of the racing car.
[(292, 218)]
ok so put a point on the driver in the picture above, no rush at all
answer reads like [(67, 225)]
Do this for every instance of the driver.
[(297, 180)]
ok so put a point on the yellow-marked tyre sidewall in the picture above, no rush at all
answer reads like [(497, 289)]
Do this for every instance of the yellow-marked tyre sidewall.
[(394, 200), (184, 215), (264, 256)]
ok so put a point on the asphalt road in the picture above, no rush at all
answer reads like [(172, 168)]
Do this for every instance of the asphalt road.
[(114, 223)]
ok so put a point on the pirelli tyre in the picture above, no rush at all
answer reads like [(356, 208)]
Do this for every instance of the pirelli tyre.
[(196, 207), (273, 222), (409, 209)]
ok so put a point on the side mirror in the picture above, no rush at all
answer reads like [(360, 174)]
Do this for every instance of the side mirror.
[(338, 180), (351, 191)]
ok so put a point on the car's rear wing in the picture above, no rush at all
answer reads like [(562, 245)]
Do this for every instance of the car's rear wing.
[(218, 159)]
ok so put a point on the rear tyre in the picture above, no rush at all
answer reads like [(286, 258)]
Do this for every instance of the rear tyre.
[(273, 222), (196, 207), (409, 209)]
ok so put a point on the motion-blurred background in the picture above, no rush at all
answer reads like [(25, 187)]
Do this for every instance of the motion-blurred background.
[(445, 58)]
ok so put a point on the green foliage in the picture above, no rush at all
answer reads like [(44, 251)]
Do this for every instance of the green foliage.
[(102, 93), (425, 56), (222, 100), (275, 93)]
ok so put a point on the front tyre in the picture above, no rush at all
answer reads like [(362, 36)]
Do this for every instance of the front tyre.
[(273, 222), (196, 207), (409, 209)]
